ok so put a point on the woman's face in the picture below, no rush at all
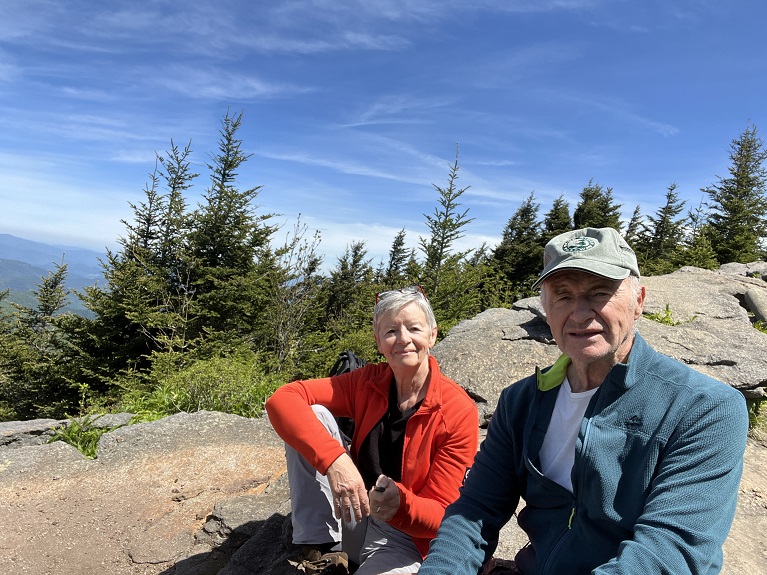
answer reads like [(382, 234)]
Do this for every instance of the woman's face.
[(404, 337)]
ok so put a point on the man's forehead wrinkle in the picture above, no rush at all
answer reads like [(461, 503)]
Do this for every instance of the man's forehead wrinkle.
[(563, 280)]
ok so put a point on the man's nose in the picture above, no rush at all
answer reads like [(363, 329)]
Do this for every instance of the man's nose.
[(583, 309)]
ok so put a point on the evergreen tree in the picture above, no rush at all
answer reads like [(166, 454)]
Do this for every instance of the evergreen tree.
[(459, 296), (8, 345), (597, 209), (227, 242), (738, 217), (446, 227), (178, 178), (634, 228), (146, 304), (519, 255), (39, 369), (396, 272), (557, 220), (659, 246), (350, 292), (696, 248)]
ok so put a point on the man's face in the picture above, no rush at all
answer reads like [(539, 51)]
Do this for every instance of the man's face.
[(591, 317)]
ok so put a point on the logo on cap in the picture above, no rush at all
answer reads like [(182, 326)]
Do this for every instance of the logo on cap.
[(579, 244)]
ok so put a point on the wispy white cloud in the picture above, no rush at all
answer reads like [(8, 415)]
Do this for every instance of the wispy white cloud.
[(399, 109), (619, 110), (25, 18), (64, 210), (357, 105), (343, 167), (224, 85)]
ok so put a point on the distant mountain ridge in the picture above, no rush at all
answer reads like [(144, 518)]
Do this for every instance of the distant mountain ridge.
[(23, 264)]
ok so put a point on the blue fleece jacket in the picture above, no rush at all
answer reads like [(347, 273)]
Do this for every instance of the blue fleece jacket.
[(658, 462)]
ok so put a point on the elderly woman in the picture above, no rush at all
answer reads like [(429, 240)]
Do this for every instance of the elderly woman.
[(415, 437)]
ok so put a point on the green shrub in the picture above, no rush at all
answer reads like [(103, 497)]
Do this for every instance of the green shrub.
[(757, 418), (665, 317), (81, 433), (238, 384)]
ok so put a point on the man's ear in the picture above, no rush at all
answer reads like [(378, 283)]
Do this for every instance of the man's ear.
[(640, 302)]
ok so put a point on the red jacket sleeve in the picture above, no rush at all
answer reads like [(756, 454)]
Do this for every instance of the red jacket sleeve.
[(290, 413)]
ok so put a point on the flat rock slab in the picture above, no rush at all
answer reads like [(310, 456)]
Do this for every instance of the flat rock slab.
[(141, 505)]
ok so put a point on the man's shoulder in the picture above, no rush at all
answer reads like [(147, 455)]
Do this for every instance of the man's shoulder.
[(653, 365)]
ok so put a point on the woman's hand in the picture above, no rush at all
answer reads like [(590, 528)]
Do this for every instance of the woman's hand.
[(348, 489), (384, 498)]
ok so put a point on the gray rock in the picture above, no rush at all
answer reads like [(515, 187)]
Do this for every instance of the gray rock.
[(25, 433), (495, 349), (753, 269), (756, 301)]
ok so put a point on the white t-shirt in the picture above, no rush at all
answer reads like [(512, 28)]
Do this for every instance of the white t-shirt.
[(558, 449)]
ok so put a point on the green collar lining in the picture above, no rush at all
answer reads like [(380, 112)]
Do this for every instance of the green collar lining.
[(554, 375)]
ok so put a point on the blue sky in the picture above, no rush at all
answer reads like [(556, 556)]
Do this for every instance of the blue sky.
[(353, 108)]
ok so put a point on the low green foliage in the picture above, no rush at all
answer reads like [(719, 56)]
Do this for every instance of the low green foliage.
[(757, 417), (238, 384), (665, 317), (81, 433), (761, 325)]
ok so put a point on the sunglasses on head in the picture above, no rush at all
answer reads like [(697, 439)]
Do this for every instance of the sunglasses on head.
[(405, 290)]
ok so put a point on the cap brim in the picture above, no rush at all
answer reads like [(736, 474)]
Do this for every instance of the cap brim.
[(597, 268)]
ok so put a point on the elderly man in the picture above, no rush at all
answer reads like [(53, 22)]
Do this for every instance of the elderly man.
[(628, 461)]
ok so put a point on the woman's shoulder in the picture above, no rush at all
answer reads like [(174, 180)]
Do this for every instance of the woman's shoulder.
[(452, 392)]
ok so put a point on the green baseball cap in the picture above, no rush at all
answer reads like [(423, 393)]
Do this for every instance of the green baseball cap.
[(599, 251)]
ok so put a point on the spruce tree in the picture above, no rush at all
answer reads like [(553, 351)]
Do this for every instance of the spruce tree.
[(635, 227), (659, 245), (696, 247), (41, 367), (519, 255), (597, 208), (738, 206), (445, 227), (395, 272), (557, 220), (228, 242), (145, 304), (349, 293)]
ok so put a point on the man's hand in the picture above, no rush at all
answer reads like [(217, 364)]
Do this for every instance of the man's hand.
[(384, 498), (348, 489)]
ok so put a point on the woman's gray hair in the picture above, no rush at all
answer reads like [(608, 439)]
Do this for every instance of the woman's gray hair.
[(394, 300)]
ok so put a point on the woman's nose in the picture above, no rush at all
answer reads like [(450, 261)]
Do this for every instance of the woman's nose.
[(403, 336)]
